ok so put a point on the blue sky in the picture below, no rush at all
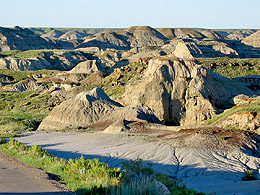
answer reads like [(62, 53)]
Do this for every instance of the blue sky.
[(124, 13)]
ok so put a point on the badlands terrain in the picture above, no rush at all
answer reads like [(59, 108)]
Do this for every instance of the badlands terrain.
[(185, 100)]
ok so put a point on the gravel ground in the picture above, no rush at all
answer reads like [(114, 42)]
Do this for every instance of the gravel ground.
[(16, 177)]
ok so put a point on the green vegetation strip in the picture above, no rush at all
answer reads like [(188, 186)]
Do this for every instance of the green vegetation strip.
[(86, 176), (232, 67), (31, 53), (251, 107), (23, 111)]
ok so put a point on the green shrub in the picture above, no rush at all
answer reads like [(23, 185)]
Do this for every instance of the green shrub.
[(2, 140), (249, 175), (134, 169)]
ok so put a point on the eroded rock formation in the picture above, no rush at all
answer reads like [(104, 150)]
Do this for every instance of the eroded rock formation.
[(179, 91), (91, 107)]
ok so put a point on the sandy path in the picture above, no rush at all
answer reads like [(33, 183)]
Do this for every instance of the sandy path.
[(202, 170), (16, 177)]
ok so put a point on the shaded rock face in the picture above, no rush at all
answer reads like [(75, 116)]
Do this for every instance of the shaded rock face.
[(251, 81), (22, 39), (91, 107), (252, 40), (180, 91)]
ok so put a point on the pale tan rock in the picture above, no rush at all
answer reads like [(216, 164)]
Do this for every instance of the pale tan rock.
[(210, 34), (116, 127), (253, 39), (223, 48), (12, 63), (244, 120), (240, 99), (182, 51), (145, 36), (88, 108), (87, 67), (179, 91), (237, 36), (27, 85)]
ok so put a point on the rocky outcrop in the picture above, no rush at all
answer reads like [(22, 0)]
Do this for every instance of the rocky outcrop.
[(133, 37), (252, 40), (72, 34), (87, 67), (22, 39), (12, 63), (182, 33), (211, 35), (53, 34), (85, 109), (89, 108), (181, 92), (27, 85), (223, 48), (54, 60), (192, 47), (95, 77), (141, 36), (237, 36), (5, 80), (106, 40), (244, 120), (63, 80), (182, 51), (167, 32)]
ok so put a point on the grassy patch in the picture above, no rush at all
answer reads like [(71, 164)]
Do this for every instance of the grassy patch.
[(114, 84), (232, 67), (23, 111), (23, 75), (30, 53)]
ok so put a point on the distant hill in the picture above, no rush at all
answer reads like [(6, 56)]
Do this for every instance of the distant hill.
[(83, 31), (18, 38)]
